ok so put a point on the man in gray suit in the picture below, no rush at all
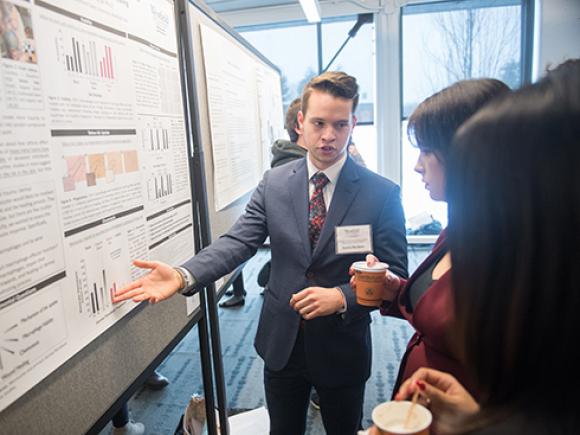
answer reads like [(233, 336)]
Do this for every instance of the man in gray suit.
[(311, 330)]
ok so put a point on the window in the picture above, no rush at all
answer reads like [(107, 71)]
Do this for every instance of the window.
[(364, 137), (293, 47), (356, 59), (445, 42)]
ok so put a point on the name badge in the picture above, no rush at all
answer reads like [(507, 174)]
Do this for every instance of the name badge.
[(354, 239)]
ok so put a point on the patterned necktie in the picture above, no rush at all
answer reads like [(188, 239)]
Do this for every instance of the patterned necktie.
[(316, 208)]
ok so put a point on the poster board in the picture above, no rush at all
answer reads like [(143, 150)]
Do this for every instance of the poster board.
[(240, 113), (94, 169), (94, 172)]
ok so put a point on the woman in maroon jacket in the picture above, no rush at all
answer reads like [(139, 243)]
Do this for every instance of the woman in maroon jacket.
[(425, 300), (515, 265)]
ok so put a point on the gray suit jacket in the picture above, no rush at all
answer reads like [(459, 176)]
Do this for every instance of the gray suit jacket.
[(338, 347)]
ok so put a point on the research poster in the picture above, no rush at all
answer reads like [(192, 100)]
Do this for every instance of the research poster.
[(93, 171), (270, 113), (245, 113)]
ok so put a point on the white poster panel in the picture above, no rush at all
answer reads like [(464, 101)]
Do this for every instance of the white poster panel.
[(93, 171), (270, 113), (230, 75)]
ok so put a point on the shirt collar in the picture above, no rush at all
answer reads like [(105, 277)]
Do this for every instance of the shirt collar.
[(332, 172)]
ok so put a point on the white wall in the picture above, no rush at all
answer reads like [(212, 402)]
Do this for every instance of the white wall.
[(558, 33)]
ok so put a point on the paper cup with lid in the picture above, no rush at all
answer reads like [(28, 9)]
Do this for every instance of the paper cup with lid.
[(370, 282)]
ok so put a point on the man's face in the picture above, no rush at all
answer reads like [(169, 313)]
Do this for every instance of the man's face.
[(326, 127)]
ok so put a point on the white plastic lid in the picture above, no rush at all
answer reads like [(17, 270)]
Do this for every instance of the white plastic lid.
[(364, 267)]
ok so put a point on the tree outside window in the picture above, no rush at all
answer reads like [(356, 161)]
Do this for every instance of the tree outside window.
[(445, 42)]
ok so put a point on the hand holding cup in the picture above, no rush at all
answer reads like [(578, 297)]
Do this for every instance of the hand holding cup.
[(448, 400), (401, 417), (373, 282)]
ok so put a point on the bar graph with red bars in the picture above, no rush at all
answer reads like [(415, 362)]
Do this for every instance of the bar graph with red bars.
[(106, 64), (84, 60)]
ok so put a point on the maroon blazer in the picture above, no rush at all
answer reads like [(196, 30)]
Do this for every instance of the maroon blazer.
[(432, 319)]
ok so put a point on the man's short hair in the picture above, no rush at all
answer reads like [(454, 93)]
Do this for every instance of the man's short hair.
[(336, 83), (291, 120)]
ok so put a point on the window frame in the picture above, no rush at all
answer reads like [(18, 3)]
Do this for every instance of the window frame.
[(526, 26), (319, 37), (526, 53), (388, 49)]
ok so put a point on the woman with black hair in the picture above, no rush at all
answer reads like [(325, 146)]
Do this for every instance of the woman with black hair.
[(514, 190), (425, 299)]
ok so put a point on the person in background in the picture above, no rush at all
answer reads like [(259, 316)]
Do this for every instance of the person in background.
[(123, 425), (425, 299), (311, 330), (237, 295), (285, 151), (156, 381), (514, 187), (355, 155)]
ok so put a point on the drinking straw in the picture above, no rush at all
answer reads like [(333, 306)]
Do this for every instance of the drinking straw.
[(410, 411)]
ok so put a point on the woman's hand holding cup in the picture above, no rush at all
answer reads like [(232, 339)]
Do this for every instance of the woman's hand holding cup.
[(392, 282), (448, 400)]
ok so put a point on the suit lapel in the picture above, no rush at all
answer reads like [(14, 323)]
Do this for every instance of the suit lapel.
[(298, 192), (346, 189)]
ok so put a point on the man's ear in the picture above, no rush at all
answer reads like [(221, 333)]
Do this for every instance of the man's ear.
[(299, 122), (354, 120)]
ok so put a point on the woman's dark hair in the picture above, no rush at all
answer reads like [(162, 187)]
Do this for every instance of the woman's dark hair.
[(514, 237), (434, 122)]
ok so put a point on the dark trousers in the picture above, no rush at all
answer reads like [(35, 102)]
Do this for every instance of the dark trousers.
[(239, 286), (288, 393), (121, 418)]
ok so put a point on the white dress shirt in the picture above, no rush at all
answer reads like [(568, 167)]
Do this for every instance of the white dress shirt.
[(332, 173)]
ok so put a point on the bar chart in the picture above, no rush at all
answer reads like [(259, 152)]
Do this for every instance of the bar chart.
[(155, 138), (160, 185), (98, 294), (86, 56), (99, 273)]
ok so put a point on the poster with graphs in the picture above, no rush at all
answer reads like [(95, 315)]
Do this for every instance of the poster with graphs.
[(93, 171)]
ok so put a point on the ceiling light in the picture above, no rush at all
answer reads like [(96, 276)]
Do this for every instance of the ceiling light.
[(311, 9)]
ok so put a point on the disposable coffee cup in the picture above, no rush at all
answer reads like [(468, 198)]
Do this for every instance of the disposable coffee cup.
[(389, 418), (370, 281)]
